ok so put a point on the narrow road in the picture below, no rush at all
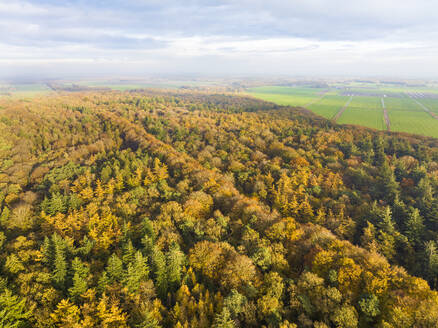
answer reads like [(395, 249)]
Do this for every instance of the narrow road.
[(342, 110), (322, 95), (385, 115), (435, 116)]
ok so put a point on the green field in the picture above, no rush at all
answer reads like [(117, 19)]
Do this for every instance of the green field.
[(365, 109), (361, 102), (27, 90), (431, 104), (414, 89), (402, 104), (414, 122), (371, 118), (287, 95), (328, 106)]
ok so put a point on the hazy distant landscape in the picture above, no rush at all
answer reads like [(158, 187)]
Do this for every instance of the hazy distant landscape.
[(397, 106)]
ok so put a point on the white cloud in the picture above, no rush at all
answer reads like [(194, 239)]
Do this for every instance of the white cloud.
[(228, 36)]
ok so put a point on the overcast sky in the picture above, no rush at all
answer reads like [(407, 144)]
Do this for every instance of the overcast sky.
[(57, 38)]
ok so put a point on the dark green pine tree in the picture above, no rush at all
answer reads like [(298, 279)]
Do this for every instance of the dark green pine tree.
[(45, 205), (175, 262), (379, 149), (128, 253), (59, 263), (86, 245), (103, 282), (14, 313), (80, 275), (387, 224), (425, 193), (390, 187), (48, 251), (148, 236), (386, 231), (148, 321), (114, 268), (431, 259), (415, 228), (137, 271), (367, 151), (160, 272), (57, 204), (224, 320), (400, 212)]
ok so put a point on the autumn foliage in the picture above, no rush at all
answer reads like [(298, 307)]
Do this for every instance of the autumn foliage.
[(166, 209)]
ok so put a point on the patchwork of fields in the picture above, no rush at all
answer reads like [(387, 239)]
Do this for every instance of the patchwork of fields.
[(30, 90), (27, 90), (412, 110), (406, 110)]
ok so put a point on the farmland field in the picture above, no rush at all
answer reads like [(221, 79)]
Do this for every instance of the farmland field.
[(415, 89), (414, 122), (431, 104), (23, 90), (402, 104), (365, 108), (287, 95), (361, 102), (328, 106), (371, 118)]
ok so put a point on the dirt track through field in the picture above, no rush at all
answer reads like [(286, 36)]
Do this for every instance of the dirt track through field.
[(435, 116), (342, 110), (322, 95), (385, 115)]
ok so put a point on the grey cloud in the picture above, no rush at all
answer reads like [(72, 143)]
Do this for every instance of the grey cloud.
[(152, 30), (317, 19)]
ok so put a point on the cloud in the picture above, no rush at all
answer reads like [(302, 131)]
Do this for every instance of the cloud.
[(241, 35)]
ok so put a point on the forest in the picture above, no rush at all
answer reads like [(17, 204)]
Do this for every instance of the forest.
[(190, 208)]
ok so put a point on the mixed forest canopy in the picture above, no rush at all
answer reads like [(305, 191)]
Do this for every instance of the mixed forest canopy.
[(195, 209)]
